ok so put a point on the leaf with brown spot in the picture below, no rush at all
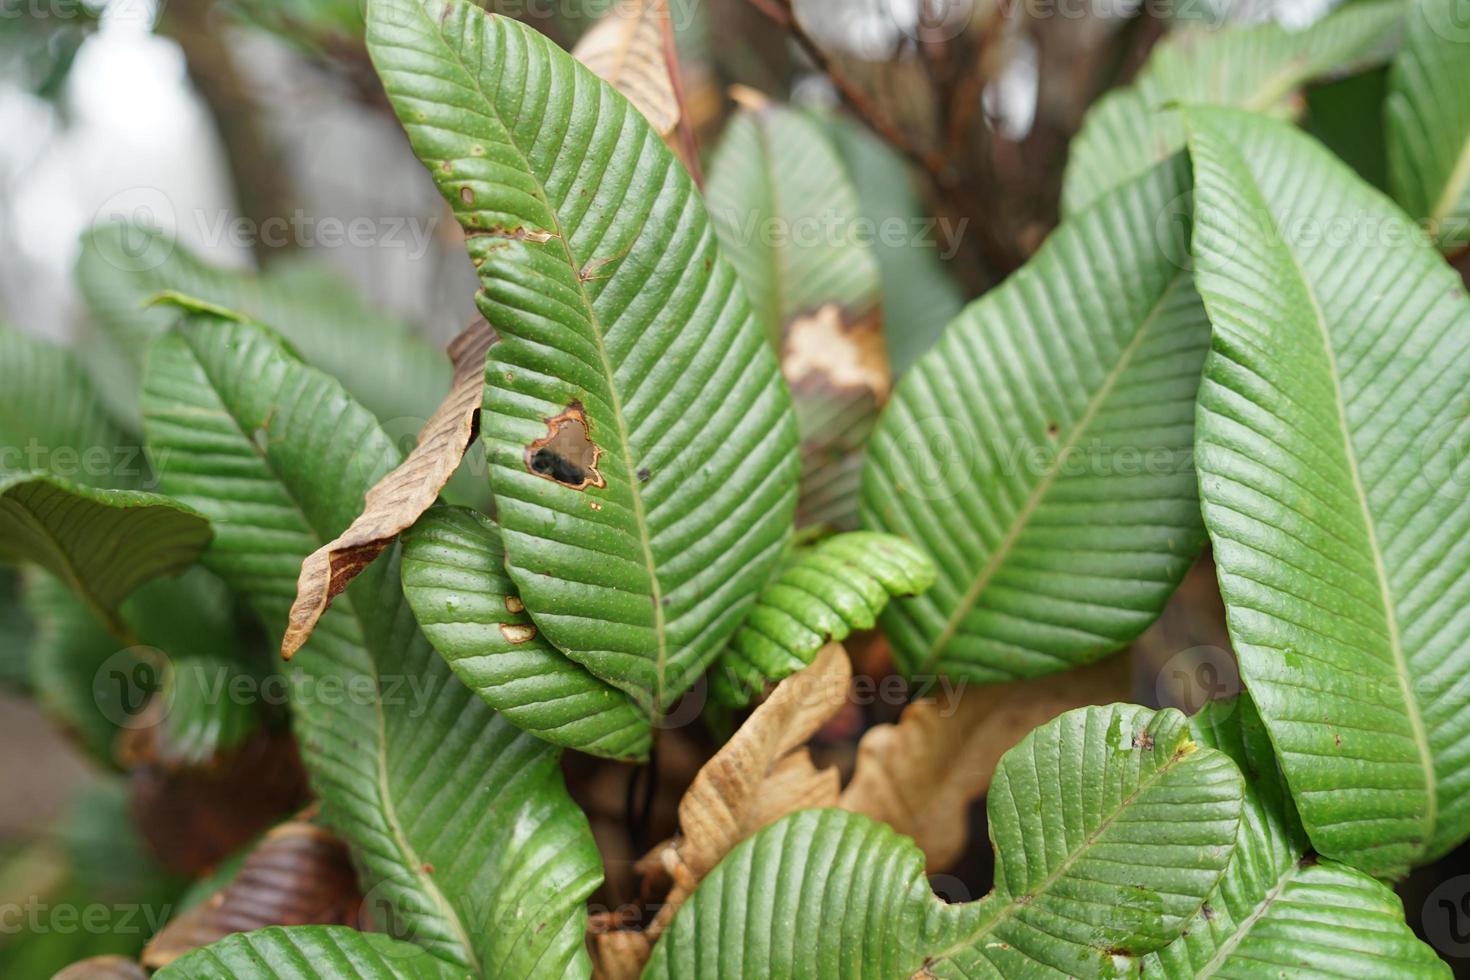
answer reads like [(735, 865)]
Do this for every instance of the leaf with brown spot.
[(921, 775), (397, 500), (567, 454), (837, 368), (299, 874), (762, 774)]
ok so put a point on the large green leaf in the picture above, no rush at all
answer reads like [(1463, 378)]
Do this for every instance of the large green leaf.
[(309, 953), (1040, 452), (102, 543), (454, 578), (52, 420), (641, 442), (785, 211), (823, 593), (1110, 827), (1333, 400), (459, 822), (1279, 908), (1429, 120), (377, 357), (1260, 68)]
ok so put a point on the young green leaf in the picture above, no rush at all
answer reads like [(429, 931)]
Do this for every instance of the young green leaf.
[(1279, 907), (458, 822), (454, 578), (1110, 824), (310, 953), (1040, 453), (821, 595), (1332, 403), (1429, 121), (641, 443), (102, 543), (1260, 67)]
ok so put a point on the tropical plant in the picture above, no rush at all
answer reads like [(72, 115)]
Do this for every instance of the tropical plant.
[(695, 482)]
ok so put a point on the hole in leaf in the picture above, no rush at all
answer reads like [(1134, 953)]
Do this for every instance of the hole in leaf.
[(567, 454)]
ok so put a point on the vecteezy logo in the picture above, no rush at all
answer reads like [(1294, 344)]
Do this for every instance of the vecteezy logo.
[(1191, 678), (1446, 916), (130, 687), (136, 229), (930, 20)]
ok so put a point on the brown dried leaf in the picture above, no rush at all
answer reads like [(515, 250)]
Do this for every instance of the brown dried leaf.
[(921, 775), (626, 49), (398, 499), (299, 874), (837, 368), (763, 773), (103, 968)]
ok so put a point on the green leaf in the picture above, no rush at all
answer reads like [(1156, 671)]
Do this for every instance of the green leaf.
[(1279, 908), (640, 440), (309, 953), (784, 209), (459, 823), (1333, 398), (17, 632), (821, 595), (377, 357), (102, 543), (1260, 68), (920, 296), (455, 580), (1040, 453), (52, 420), (1110, 827), (1429, 121)]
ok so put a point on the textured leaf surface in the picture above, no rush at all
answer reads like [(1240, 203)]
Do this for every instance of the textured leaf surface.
[(102, 543), (1333, 396), (458, 822), (309, 953), (1260, 68), (641, 443), (822, 594), (1040, 453), (1429, 120), (1280, 910), (1110, 827), (455, 580), (378, 358)]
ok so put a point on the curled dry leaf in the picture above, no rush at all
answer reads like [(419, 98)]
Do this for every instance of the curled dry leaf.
[(763, 773), (626, 49), (921, 775), (837, 367), (103, 968), (299, 874), (392, 506)]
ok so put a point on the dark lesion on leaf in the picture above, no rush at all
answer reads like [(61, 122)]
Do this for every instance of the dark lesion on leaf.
[(567, 454)]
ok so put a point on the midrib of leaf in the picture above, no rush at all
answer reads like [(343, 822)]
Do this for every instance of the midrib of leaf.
[(989, 925), (1276, 87), (1395, 642), (659, 624), (390, 810), (1244, 927), (1454, 187), (1038, 494)]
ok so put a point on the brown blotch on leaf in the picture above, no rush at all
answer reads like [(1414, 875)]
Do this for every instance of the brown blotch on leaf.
[(826, 351), (467, 196), (1143, 740), (518, 632), (513, 604), (567, 454)]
